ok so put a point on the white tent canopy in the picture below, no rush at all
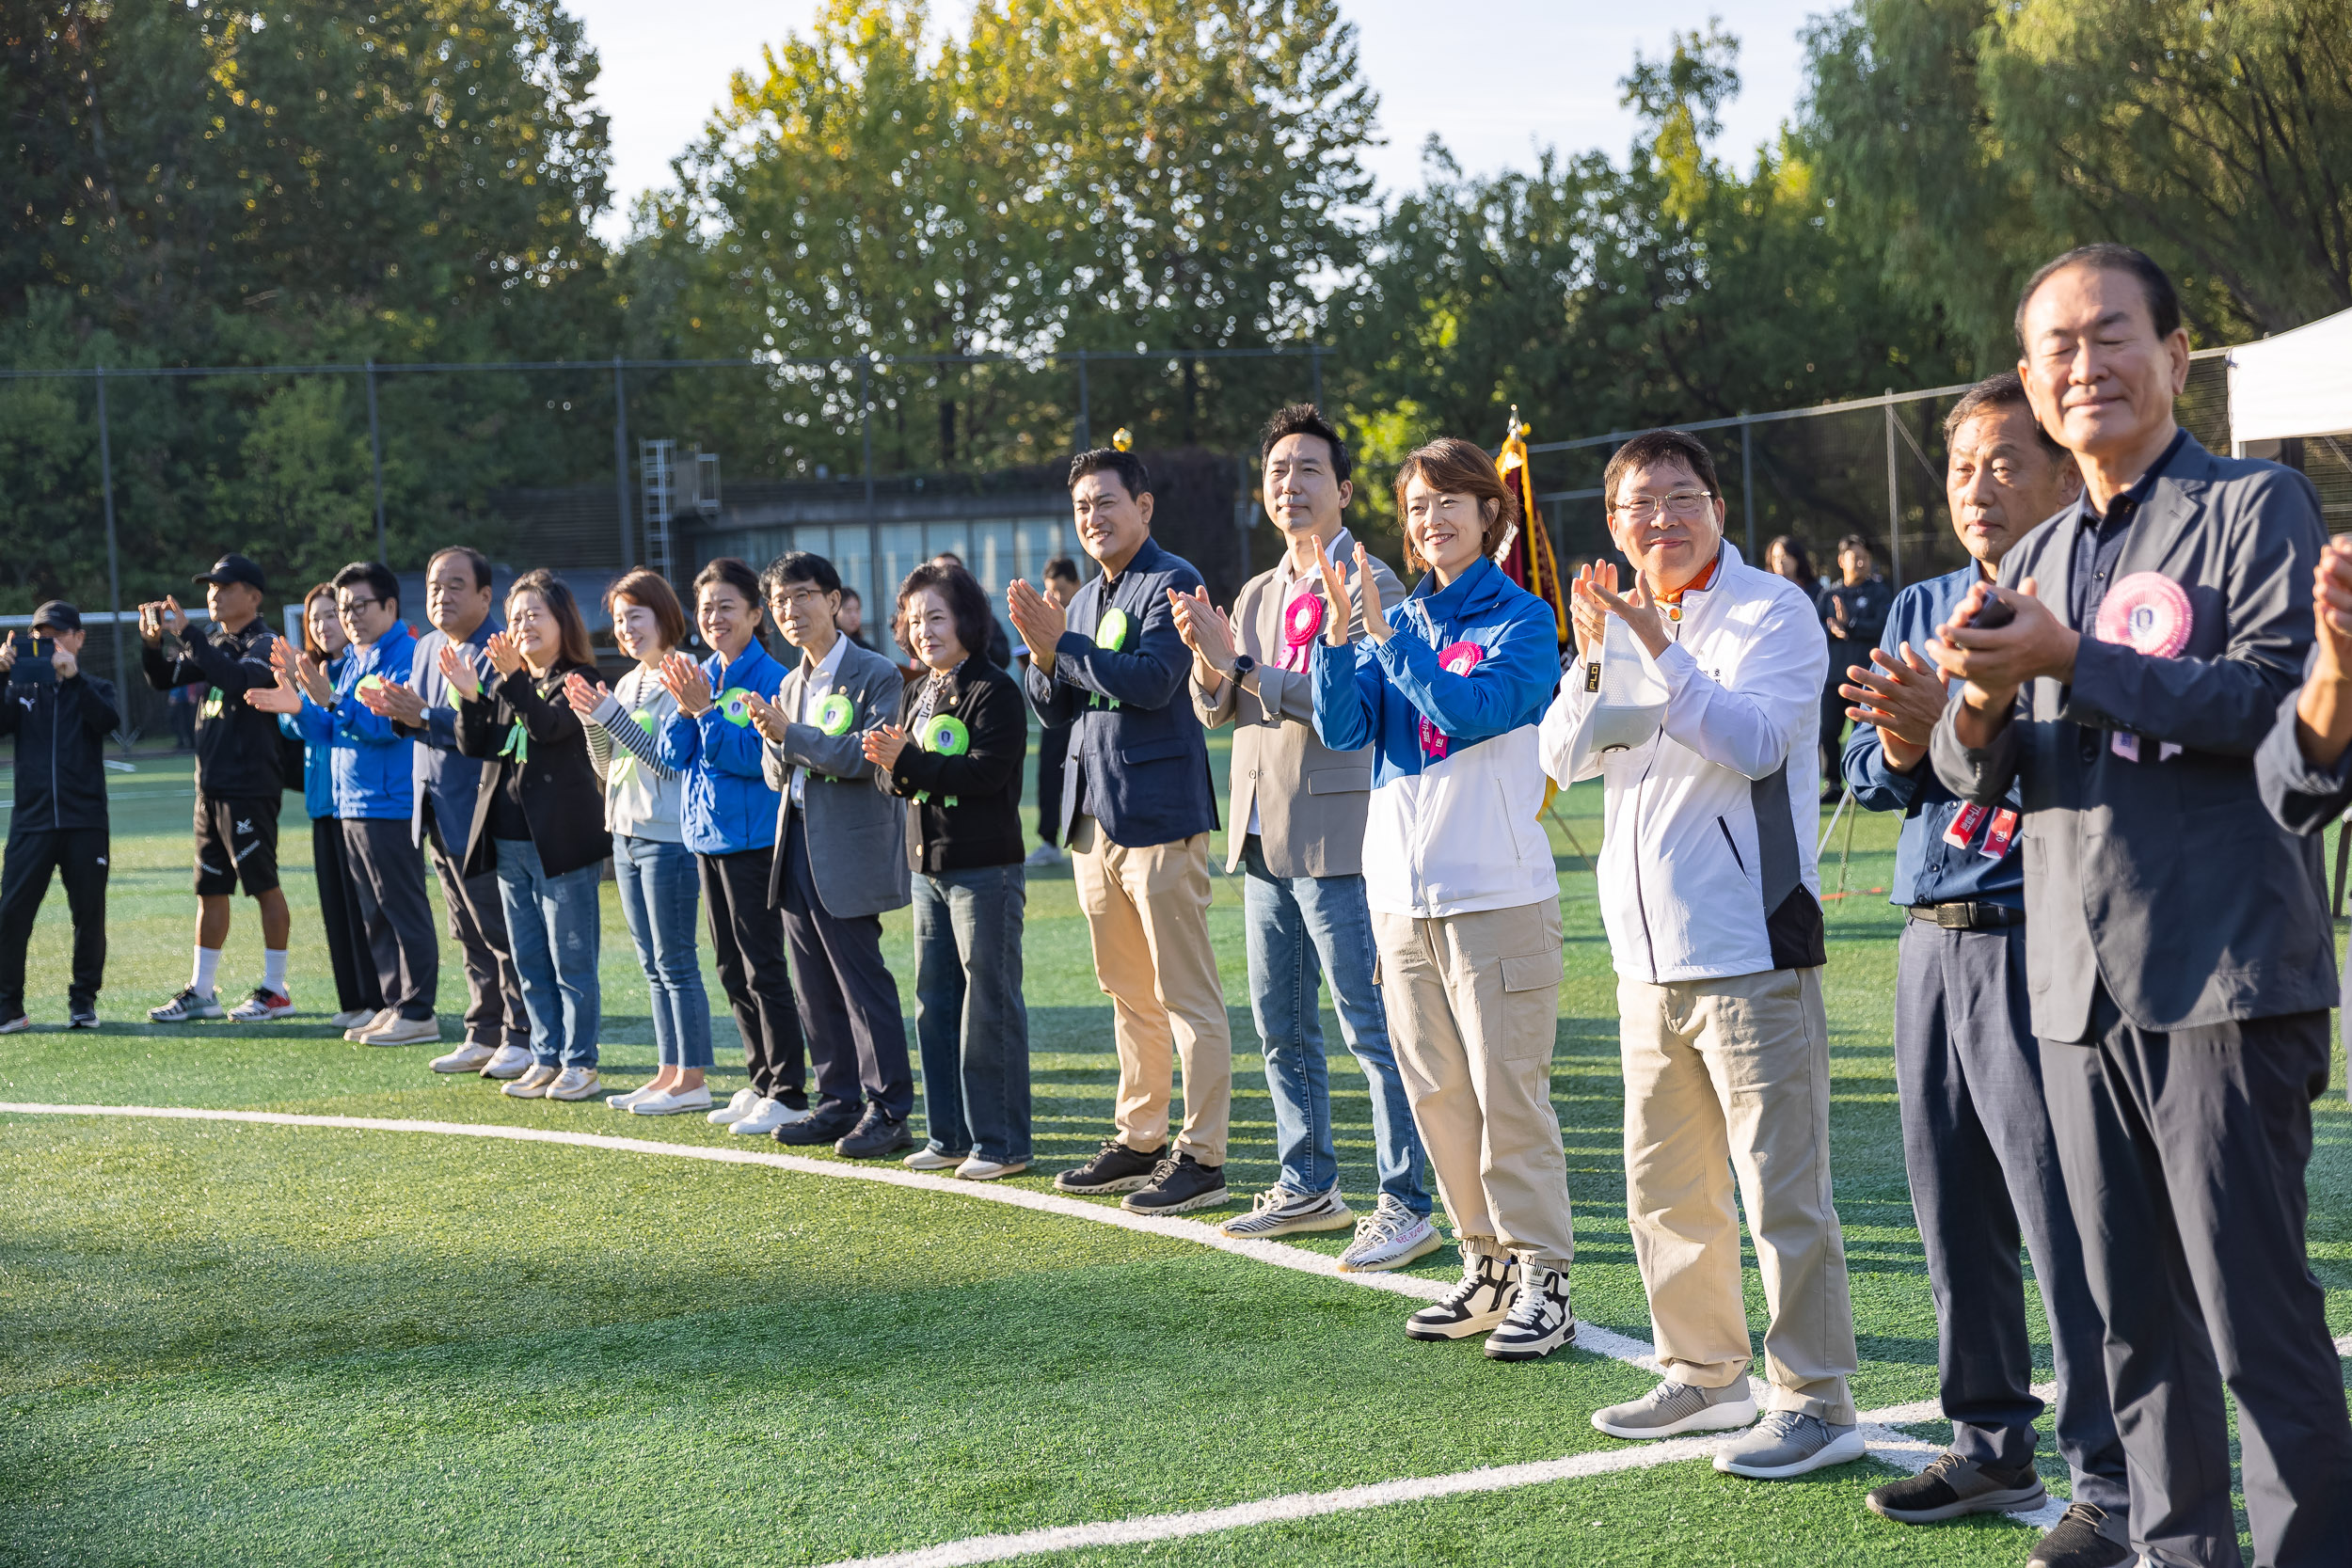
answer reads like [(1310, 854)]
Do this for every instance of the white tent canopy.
[(2298, 383)]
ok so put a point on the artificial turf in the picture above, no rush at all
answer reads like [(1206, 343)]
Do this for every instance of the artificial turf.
[(239, 1344)]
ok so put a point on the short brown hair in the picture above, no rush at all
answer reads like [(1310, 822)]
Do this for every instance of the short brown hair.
[(649, 590), (2005, 390), (1659, 446), (1455, 466), (572, 631)]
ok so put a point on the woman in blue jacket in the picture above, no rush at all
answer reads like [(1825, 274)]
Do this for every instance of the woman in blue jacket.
[(1449, 689), (729, 818), (357, 993)]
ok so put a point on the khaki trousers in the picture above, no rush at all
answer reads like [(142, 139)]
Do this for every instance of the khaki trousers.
[(1730, 1076), (1147, 916), (1473, 1002)]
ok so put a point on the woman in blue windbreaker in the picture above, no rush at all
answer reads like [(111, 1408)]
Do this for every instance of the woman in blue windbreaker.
[(358, 997), (729, 820), (1449, 688)]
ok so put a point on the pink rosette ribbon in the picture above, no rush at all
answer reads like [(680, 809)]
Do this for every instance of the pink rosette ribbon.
[(2146, 613), (1302, 622), (1458, 658)]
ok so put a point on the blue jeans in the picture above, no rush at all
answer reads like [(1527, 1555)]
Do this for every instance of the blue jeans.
[(970, 1022), (555, 927), (1300, 928), (661, 900)]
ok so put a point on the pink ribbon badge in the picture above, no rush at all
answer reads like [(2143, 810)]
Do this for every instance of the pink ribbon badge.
[(1302, 622), (2146, 613), (1458, 658)]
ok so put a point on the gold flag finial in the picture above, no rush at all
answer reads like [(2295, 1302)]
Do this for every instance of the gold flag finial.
[(1123, 438)]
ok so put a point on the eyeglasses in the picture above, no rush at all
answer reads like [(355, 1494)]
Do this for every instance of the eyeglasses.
[(353, 607), (1674, 503)]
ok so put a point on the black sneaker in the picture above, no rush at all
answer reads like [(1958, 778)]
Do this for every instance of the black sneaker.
[(874, 1136), (1179, 1186), (1953, 1486), (2080, 1540), (1539, 1321), (84, 1015), (834, 1118), (1479, 1301), (1114, 1168)]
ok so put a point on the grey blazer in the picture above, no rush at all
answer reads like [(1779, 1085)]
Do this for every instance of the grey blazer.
[(1311, 800), (856, 834), (2165, 878)]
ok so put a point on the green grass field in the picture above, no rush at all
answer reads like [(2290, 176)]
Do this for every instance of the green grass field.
[(229, 1342)]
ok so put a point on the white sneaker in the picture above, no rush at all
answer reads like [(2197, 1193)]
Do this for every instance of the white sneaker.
[(977, 1169), (352, 1019), (1281, 1210), (1045, 854), (673, 1103), (1389, 1237), (262, 1005), (927, 1158), (766, 1116), (574, 1083), (357, 1034), (405, 1030), (508, 1061), (531, 1084), (16, 1025), (739, 1105), (468, 1057)]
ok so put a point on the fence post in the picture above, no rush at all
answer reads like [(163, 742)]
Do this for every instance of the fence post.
[(865, 437), (1315, 363), (1086, 424), (1893, 496), (620, 458), (376, 454), (113, 565), (1747, 485)]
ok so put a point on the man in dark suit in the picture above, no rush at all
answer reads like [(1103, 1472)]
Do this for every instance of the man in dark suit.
[(2182, 966), (1138, 808)]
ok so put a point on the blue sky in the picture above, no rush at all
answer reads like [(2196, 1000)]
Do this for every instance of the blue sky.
[(1524, 74)]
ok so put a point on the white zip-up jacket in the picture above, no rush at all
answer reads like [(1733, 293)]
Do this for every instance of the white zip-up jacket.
[(1706, 863)]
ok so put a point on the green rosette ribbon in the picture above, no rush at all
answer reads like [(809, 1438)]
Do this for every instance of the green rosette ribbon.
[(732, 704), (1109, 633), (837, 714), (948, 736)]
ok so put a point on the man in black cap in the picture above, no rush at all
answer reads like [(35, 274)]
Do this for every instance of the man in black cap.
[(61, 719), (238, 785)]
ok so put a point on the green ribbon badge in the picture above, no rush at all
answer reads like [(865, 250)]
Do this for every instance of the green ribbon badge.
[(732, 704), (369, 683), (517, 744), (624, 765), (1112, 630), (837, 714), (948, 736)]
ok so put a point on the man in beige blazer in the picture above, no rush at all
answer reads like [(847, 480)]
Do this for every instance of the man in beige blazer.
[(1297, 836)]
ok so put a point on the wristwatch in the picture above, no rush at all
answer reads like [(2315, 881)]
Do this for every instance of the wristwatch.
[(1243, 664)]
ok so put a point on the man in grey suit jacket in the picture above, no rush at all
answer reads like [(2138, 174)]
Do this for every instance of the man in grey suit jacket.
[(2180, 969), (1298, 835), (840, 863), (459, 603)]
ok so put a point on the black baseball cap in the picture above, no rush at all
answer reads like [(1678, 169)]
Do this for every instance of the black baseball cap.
[(57, 615), (234, 568)]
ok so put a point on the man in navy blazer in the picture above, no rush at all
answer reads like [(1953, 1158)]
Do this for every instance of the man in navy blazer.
[(1137, 809)]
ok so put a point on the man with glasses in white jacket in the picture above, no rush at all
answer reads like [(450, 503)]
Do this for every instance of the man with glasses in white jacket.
[(1711, 897)]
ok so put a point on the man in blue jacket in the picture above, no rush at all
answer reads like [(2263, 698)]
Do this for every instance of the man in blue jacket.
[(1138, 808), (1976, 1136), (372, 767), (61, 718)]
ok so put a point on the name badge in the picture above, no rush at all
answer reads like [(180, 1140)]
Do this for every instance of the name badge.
[(1964, 827), (1998, 837)]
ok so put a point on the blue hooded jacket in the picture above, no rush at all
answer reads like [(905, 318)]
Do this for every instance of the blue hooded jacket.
[(728, 807), (318, 766), (370, 761)]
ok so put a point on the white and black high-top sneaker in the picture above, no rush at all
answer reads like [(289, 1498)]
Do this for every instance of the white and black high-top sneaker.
[(1539, 1321), (1479, 1301)]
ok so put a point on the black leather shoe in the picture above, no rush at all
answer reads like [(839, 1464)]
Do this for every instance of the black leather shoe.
[(2081, 1540), (833, 1118), (875, 1136)]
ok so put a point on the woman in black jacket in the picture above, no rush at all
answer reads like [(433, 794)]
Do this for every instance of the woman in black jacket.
[(540, 824), (956, 753)]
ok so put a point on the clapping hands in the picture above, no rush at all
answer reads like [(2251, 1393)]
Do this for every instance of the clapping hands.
[(684, 680), (882, 744)]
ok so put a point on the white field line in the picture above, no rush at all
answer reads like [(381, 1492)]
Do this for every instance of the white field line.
[(1878, 1427)]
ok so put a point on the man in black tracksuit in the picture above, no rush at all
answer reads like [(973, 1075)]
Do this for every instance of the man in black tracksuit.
[(61, 719)]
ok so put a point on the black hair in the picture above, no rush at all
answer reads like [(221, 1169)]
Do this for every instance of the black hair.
[(1796, 552), (1659, 446), (2005, 390), (1857, 542), (850, 595), (2164, 300), (1304, 419), (377, 577), (967, 605), (732, 571), (800, 566), (1126, 465), (1063, 567), (474, 558)]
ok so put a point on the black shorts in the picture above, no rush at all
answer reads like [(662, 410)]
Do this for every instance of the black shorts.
[(236, 841)]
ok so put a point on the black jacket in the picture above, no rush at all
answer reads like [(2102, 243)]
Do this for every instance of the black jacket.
[(237, 751), (562, 797), (61, 731), (984, 826)]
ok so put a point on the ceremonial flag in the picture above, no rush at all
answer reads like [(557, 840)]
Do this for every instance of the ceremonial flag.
[(1527, 555)]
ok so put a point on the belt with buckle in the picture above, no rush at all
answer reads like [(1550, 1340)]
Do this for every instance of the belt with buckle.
[(1967, 915)]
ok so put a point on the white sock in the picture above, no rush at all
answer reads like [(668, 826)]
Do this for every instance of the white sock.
[(207, 969), (274, 970)]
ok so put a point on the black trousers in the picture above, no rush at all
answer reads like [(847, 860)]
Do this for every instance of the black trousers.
[(388, 874), (857, 1037), (2184, 1155), (78, 855), (356, 985), (1053, 752), (747, 940)]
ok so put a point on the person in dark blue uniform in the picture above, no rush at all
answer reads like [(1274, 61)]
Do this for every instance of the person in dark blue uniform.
[(60, 716)]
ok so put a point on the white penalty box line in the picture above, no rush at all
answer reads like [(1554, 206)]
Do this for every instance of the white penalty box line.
[(1878, 1427)]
